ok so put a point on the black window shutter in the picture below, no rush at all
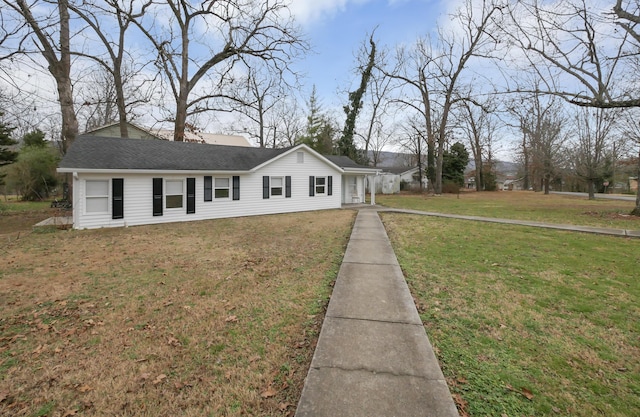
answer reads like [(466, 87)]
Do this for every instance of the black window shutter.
[(191, 195), (312, 186), (117, 198), (208, 187), (330, 185), (157, 196), (265, 187), (236, 187), (287, 185)]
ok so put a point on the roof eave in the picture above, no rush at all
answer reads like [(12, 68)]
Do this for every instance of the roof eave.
[(148, 171), (372, 171)]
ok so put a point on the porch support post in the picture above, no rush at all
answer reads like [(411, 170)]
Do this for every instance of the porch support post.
[(373, 190)]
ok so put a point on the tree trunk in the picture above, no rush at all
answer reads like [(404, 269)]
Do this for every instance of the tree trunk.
[(181, 119), (636, 210), (439, 161), (431, 162), (120, 103), (546, 185), (592, 193), (479, 177)]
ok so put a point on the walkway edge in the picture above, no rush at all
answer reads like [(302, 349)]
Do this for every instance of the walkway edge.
[(565, 227)]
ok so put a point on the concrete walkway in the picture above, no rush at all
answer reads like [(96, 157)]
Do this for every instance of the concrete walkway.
[(373, 356)]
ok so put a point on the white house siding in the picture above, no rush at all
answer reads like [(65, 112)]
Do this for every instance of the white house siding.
[(138, 194)]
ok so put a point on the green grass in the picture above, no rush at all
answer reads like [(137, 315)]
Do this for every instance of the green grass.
[(518, 312), (523, 206), (16, 206)]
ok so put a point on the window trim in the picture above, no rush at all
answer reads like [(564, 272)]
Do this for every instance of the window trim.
[(281, 187), (228, 188), (88, 197), (166, 193), (322, 186)]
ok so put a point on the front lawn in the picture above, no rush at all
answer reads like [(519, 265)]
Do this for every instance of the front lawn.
[(523, 205), (526, 321), (210, 318)]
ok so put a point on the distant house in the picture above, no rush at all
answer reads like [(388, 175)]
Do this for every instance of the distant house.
[(633, 184), (392, 179), (201, 137), (125, 182), (112, 130), (514, 184), (138, 132)]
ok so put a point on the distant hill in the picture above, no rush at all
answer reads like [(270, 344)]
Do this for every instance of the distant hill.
[(503, 167), (393, 159), (396, 159)]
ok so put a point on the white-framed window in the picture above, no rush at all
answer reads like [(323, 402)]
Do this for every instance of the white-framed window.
[(221, 187), (97, 196), (321, 185), (174, 194), (300, 156), (277, 186)]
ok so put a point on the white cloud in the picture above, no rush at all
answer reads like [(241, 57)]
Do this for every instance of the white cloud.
[(309, 11)]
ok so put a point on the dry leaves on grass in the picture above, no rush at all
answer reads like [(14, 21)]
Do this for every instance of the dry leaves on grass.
[(154, 314), (523, 391), (269, 392)]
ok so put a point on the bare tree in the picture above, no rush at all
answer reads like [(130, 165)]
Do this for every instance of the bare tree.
[(256, 96), (101, 16), (476, 123), (630, 127), (231, 32), (288, 123), (593, 128), (546, 138), (434, 73), (50, 36), (457, 52), (99, 100), (413, 90), (412, 139), (577, 52)]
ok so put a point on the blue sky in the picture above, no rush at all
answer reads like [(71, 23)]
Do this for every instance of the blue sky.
[(337, 28)]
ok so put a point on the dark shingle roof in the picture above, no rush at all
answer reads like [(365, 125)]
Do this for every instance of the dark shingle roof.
[(93, 152), (344, 161), (398, 170)]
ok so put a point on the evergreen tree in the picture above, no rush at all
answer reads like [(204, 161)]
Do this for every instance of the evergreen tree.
[(35, 139), (320, 132), (7, 155), (454, 162)]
